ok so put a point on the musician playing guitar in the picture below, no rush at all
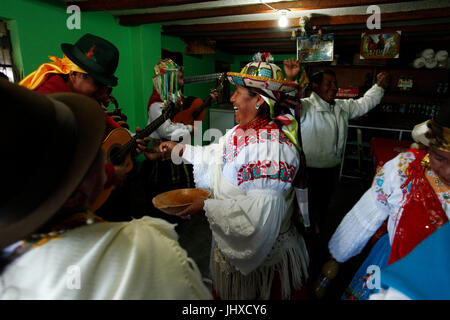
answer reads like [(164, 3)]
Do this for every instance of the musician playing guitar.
[(86, 68), (172, 130), (160, 175)]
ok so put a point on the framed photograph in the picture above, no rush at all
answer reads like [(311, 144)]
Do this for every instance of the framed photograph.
[(380, 45), (316, 48)]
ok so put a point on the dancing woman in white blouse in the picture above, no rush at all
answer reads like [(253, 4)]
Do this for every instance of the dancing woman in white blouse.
[(412, 191), (257, 252)]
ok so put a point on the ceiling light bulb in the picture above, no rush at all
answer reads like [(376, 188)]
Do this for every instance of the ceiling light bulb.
[(283, 21)]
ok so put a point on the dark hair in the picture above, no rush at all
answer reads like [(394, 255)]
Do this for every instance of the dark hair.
[(280, 106), (435, 131), (317, 77), (264, 110)]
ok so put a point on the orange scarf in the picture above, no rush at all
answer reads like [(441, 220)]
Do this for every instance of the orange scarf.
[(60, 66)]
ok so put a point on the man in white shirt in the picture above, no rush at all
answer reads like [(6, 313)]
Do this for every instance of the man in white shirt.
[(324, 126)]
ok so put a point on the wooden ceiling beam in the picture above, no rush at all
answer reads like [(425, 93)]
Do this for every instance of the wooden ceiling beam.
[(249, 36), (320, 20), (394, 16), (253, 50), (137, 19), (441, 28), (343, 43), (104, 5), (259, 44)]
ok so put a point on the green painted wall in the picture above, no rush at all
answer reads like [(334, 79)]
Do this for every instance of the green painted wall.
[(38, 27), (195, 65)]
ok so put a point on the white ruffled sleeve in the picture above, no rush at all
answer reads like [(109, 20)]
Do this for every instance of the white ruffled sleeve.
[(168, 130), (360, 223), (369, 213), (203, 159)]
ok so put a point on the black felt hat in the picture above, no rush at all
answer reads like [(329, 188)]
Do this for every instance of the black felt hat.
[(49, 143), (95, 55)]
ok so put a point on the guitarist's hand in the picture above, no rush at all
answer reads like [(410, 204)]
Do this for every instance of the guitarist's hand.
[(141, 143), (214, 96)]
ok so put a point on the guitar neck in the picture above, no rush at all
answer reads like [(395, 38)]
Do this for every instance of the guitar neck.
[(202, 78), (151, 127), (144, 133), (205, 103)]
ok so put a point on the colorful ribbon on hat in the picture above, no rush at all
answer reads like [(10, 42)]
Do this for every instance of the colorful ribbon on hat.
[(165, 80), (58, 66), (289, 125), (289, 128)]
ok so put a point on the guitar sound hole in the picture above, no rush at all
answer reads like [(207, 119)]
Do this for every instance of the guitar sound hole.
[(115, 157)]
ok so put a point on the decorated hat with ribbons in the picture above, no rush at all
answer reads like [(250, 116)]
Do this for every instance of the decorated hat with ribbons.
[(165, 80), (268, 77), (262, 74)]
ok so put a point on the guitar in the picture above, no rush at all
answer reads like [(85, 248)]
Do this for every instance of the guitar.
[(119, 144), (197, 109)]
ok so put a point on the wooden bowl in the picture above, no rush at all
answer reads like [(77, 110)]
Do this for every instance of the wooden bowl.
[(175, 201)]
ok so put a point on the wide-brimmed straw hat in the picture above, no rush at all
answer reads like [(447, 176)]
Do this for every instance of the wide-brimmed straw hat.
[(262, 74), (95, 55), (267, 76), (49, 143)]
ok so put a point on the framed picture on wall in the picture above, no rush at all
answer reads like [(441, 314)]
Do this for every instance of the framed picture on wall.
[(316, 48), (380, 45)]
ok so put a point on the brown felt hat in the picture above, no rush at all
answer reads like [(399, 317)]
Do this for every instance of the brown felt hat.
[(48, 145)]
